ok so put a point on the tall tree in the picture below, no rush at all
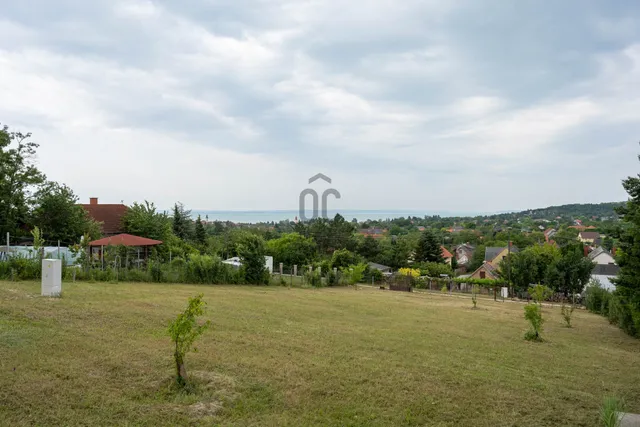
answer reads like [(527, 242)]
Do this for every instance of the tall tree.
[(18, 178), (182, 223), (628, 255), (428, 248), (252, 253), (200, 233), (58, 215), (571, 272), (369, 248), (144, 220)]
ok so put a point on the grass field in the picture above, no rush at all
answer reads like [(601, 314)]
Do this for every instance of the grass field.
[(276, 356)]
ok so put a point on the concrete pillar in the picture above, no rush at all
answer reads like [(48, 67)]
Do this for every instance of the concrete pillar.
[(295, 270), (281, 268)]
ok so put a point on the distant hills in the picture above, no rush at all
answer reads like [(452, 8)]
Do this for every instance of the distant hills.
[(575, 210)]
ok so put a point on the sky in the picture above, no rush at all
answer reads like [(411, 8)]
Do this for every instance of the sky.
[(460, 105)]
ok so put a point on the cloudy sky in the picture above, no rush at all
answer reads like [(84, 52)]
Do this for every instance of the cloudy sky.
[(461, 105)]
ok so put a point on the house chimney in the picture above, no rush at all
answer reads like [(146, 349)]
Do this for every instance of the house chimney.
[(93, 200)]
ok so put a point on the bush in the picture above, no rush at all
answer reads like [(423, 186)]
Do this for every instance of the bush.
[(313, 278), (533, 313), (332, 278), (596, 298), (567, 313), (444, 289)]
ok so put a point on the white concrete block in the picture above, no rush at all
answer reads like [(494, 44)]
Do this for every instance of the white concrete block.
[(504, 292), (51, 277)]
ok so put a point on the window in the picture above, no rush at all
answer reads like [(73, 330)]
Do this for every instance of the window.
[(483, 275)]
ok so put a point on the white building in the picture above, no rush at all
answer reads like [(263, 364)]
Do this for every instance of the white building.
[(236, 262), (602, 257)]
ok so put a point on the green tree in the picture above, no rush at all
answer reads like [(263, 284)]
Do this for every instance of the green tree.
[(428, 248), (292, 249), (200, 233), (184, 331), (59, 216), (182, 223), (18, 176), (145, 221), (343, 258), (571, 272), (477, 259), (369, 248), (628, 257), (252, 252)]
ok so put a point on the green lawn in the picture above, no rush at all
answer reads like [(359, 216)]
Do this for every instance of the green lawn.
[(276, 356)]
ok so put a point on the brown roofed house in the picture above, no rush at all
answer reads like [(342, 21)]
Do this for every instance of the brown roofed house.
[(110, 215)]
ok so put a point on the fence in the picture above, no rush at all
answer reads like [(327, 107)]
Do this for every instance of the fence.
[(50, 252)]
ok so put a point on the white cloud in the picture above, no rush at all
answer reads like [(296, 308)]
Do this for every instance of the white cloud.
[(231, 105)]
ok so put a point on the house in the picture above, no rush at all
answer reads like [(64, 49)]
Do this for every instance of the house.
[(382, 268), (549, 233), (110, 215), (590, 237), (603, 273), (601, 257), (446, 255), (494, 255), (455, 229), (376, 233), (485, 271), (464, 253)]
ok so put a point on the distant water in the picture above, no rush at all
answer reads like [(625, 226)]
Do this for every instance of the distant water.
[(253, 217)]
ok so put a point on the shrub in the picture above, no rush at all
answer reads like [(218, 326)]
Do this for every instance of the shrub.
[(155, 272), (444, 289), (567, 312), (313, 278), (354, 274), (183, 331), (332, 278), (474, 295), (533, 313)]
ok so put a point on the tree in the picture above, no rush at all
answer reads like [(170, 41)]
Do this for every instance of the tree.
[(182, 223), (477, 259), (292, 249), (428, 249), (343, 258), (18, 176), (252, 253), (628, 256), (59, 216), (200, 234), (369, 248), (145, 221), (184, 331), (571, 272)]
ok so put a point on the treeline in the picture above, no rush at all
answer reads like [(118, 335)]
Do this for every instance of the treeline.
[(29, 200)]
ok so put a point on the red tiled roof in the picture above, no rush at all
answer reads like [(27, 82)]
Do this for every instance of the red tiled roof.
[(125, 240), (445, 253), (109, 215)]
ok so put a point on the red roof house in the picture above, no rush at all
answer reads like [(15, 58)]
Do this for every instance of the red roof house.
[(110, 215), (446, 255), (125, 240)]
